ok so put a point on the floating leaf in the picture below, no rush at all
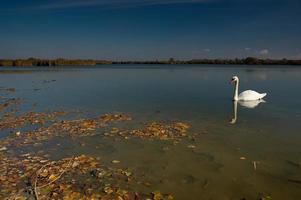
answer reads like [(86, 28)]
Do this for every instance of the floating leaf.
[(157, 195), (52, 177)]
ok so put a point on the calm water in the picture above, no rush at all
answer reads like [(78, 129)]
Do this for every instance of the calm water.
[(269, 134)]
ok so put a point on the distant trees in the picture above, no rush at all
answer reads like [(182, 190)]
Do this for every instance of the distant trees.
[(252, 61), (6, 63), (43, 62), (67, 62), (236, 61), (171, 61)]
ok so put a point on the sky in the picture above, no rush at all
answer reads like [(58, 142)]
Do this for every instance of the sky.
[(150, 29)]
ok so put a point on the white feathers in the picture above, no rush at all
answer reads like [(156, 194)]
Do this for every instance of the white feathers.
[(248, 95)]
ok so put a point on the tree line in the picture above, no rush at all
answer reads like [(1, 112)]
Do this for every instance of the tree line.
[(243, 61), (52, 62), (82, 62)]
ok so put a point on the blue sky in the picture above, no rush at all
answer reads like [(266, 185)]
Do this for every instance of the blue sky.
[(150, 29)]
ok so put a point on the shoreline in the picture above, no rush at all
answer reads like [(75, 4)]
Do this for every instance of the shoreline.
[(250, 61)]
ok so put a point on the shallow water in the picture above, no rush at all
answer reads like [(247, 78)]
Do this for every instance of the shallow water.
[(269, 134)]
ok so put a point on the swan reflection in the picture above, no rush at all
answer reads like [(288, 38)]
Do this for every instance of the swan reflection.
[(247, 104)]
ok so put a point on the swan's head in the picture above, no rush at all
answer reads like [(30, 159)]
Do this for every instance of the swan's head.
[(234, 79)]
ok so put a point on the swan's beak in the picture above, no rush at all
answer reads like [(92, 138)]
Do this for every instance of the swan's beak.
[(231, 81)]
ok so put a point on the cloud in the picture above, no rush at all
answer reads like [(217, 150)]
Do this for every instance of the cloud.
[(247, 49), (264, 52), (207, 50), (113, 3)]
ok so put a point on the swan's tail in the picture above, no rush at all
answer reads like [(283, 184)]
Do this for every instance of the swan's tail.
[(263, 95)]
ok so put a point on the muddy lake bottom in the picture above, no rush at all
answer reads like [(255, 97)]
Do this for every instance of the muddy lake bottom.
[(149, 132)]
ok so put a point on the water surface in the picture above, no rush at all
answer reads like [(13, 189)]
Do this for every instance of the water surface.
[(268, 134)]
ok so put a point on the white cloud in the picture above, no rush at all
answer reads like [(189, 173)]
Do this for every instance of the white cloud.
[(207, 50), (264, 52), (247, 49)]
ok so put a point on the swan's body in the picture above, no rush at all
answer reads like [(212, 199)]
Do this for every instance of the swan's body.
[(248, 95)]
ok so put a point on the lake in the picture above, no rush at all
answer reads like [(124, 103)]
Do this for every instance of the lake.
[(257, 156)]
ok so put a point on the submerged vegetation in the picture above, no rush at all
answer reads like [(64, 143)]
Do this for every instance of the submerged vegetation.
[(35, 175), (82, 62)]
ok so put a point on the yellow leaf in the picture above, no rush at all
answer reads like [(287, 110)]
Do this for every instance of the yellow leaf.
[(157, 195), (52, 177)]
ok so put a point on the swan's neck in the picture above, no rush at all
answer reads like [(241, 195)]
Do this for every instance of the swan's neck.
[(235, 97)]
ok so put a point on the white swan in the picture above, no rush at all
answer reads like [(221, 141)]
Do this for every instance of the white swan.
[(248, 95)]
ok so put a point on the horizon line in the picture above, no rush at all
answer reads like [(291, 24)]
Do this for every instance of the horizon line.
[(141, 60)]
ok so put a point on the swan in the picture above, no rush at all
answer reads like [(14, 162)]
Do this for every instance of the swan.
[(248, 95)]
